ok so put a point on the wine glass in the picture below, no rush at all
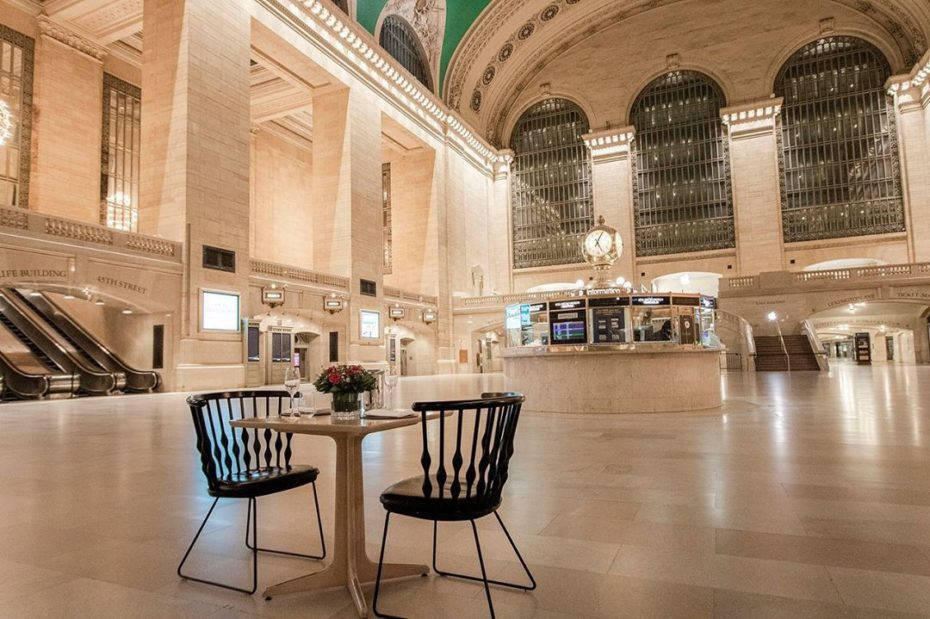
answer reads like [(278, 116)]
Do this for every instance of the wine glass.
[(390, 382), (292, 385)]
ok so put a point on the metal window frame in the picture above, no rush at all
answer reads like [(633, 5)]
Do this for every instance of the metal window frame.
[(400, 40), (666, 220), (552, 203), (24, 113), (819, 174), (387, 247), (131, 175)]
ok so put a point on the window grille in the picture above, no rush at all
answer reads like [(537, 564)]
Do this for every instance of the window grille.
[(16, 64), (387, 261), (838, 155), (550, 185), (401, 42), (120, 154), (682, 198)]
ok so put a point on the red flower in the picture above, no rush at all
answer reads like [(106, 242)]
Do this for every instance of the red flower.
[(334, 378), (355, 370)]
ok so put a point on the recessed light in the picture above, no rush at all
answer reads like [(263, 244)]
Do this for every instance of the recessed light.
[(69, 296), (35, 293), (127, 311), (99, 302)]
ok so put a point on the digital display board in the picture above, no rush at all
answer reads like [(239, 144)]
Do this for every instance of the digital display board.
[(609, 302), (572, 331), (652, 300), (369, 324), (607, 323), (512, 317), (219, 311), (567, 305)]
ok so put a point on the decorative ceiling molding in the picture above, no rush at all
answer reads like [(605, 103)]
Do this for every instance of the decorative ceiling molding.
[(475, 65), (428, 20), (63, 34)]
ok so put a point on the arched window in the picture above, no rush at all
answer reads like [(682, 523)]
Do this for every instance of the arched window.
[(400, 41), (839, 153), (682, 199), (550, 185)]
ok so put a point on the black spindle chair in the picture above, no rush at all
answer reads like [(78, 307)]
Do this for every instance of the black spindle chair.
[(240, 463), (461, 480)]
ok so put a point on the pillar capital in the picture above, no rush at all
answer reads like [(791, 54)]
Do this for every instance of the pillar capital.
[(752, 118), (609, 144), (57, 32), (502, 164)]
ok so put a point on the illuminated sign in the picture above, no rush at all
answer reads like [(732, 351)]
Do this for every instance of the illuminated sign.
[(708, 302), (567, 305), (429, 316), (272, 296), (219, 311), (537, 307), (369, 322), (512, 317), (397, 312), (652, 300)]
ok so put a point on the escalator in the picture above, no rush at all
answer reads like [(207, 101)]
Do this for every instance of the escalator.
[(25, 374), (90, 348), (56, 354)]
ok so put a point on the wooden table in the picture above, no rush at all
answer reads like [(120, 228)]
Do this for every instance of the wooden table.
[(350, 565)]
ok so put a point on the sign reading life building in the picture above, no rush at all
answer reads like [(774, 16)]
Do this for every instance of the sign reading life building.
[(19, 267)]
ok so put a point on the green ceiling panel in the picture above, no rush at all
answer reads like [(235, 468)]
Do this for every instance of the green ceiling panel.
[(460, 15)]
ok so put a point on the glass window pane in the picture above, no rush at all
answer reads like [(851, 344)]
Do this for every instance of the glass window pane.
[(119, 165)]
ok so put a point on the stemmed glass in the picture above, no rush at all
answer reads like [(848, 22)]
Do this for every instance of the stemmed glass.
[(390, 382), (292, 385)]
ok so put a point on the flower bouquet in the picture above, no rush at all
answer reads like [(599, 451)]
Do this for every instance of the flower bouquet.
[(345, 382)]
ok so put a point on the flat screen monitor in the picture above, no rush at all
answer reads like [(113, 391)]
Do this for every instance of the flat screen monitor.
[(568, 332), (370, 324), (219, 311)]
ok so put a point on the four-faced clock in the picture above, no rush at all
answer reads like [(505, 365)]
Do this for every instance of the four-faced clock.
[(602, 245)]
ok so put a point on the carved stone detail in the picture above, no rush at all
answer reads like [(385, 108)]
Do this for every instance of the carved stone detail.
[(56, 31)]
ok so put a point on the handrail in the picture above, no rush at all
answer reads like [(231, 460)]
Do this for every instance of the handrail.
[(390, 292), (904, 271)]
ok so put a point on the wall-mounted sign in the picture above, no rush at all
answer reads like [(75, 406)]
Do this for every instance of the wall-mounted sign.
[(334, 304), (709, 302), (429, 316), (272, 296), (537, 307), (599, 292), (397, 313), (369, 324), (692, 301), (512, 317), (565, 305), (662, 300), (219, 311), (609, 302)]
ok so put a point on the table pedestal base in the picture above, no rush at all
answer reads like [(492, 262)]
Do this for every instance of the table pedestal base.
[(351, 566)]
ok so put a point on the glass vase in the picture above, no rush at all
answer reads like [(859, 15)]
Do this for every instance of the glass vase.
[(345, 407)]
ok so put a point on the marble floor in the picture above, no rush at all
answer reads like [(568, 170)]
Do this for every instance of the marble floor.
[(805, 495)]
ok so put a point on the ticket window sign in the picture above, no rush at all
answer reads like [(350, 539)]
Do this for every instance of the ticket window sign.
[(219, 311), (369, 324), (397, 313)]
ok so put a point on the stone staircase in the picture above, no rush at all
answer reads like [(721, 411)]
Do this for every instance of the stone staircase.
[(770, 356)]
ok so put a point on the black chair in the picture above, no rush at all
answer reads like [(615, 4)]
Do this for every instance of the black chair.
[(483, 436), (245, 464)]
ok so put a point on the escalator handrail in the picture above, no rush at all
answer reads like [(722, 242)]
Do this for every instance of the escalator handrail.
[(78, 348), (91, 340), (92, 380), (9, 369)]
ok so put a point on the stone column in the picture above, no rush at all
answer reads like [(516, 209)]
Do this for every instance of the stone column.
[(911, 102), (346, 205), (500, 232), (195, 164), (755, 184), (612, 179)]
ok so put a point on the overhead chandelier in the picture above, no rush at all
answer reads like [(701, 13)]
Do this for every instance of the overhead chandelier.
[(6, 123)]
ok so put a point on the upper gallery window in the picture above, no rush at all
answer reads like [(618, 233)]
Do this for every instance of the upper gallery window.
[(682, 198), (16, 62), (839, 154), (119, 166), (386, 245), (401, 42), (551, 185)]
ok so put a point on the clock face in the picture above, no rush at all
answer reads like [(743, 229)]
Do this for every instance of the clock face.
[(598, 243)]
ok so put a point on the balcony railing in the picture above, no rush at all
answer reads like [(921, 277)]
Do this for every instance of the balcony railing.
[(888, 272), (396, 294), (297, 274), (38, 225)]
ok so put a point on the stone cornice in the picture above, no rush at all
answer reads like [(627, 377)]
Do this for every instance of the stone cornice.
[(753, 118), (912, 90), (502, 165), (360, 51), (62, 34), (609, 144)]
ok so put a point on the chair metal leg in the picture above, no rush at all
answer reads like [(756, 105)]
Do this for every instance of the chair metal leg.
[(484, 574), (319, 523), (251, 511), (513, 545), (374, 601)]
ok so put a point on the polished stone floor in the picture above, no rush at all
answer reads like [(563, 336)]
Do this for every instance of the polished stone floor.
[(805, 495)]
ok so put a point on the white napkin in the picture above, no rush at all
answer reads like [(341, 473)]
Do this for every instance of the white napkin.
[(387, 413)]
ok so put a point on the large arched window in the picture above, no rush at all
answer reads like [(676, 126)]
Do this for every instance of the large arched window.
[(400, 41), (838, 155), (550, 185), (682, 200)]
